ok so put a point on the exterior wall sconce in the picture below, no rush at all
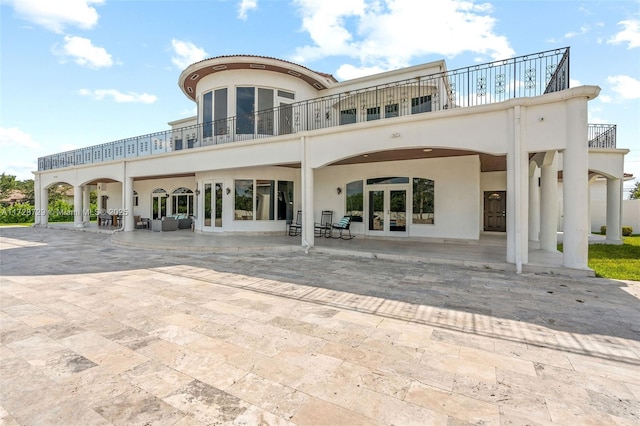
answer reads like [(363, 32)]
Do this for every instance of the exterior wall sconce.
[(166, 195), (197, 192), (339, 190), (228, 191)]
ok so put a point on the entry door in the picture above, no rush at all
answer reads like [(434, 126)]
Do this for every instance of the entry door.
[(495, 211), (212, 205), (387, 210)]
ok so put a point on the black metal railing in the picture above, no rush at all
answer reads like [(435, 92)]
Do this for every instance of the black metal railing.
[(602, 136), (523, 76)]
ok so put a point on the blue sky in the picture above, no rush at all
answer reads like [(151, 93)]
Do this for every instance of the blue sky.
[(76, 73)]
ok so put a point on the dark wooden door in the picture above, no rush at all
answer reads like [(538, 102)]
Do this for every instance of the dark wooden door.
[(495, 211)]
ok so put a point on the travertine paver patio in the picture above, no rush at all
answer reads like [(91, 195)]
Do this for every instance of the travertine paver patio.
[(97, 334)]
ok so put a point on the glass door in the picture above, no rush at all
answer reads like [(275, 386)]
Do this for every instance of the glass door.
[(387, 210), (212, 205)]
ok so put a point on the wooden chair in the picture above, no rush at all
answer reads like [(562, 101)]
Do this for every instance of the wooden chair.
[(343, 229), (295, 228), (323, 228)]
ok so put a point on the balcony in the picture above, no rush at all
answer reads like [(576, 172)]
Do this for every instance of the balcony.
[(482, 84), (602, 136)]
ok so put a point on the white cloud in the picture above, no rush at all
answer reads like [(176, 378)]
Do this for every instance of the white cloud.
[(388, 34), (630, 34), (583, 30), (16, 146), (626, 87), (246, 6), (116, 95), (84, 52), (349, 72), (15, 138), (186, 53), (55, 15)]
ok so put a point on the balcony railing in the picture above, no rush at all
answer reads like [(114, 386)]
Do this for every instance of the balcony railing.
[(523, 76), (602, 136)]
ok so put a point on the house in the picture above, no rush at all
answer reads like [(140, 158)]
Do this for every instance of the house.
[(421, 152), (13, 197)]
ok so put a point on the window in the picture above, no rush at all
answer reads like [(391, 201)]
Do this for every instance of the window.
[(265, 114), (263, 199), (245, 108), (182, 202), (348, 116), (387, 180), (243, 206), (207, 114), (285, 200), (265, 202), (220, 111), (207, 204), (288, 95), (355, 201), (423, 201), (421, 104), (373, 113)]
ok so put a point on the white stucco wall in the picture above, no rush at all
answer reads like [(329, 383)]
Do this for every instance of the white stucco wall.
[(457, 190)]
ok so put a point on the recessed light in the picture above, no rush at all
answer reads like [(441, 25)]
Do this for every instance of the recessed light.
[(366, 155), (427, 150)]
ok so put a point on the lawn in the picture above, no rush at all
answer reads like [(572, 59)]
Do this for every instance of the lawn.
[(621, 262)]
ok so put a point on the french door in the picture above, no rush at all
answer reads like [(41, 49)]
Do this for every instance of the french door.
[(212, 206), (387, 210)]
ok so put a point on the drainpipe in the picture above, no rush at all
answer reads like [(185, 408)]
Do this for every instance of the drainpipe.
[(517, 192)]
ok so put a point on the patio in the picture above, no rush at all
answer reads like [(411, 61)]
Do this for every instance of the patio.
[(98, 334), (489, 252)]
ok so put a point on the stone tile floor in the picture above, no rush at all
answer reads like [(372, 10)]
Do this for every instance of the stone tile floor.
[(94, 334)]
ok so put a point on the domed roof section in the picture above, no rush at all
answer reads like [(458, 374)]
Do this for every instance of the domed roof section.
[(190, 77)]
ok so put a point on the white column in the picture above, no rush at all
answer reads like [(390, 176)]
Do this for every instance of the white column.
[(308, 236), (42, 205), (86, 203), (549, 202), (575, 176), (517, 196), (77, 206), (534, 202), (127, 194), (614, 210)]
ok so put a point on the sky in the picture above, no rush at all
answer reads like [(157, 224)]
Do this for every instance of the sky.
[(76, 73)]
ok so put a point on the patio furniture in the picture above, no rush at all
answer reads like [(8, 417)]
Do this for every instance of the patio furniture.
[(164, 224), (104, 219), (184, 222), (323, 228), (343, 229), (295, 228), (140, 223)]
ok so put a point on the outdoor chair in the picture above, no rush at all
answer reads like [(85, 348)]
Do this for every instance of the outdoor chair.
[(104, 219), (295, 228), (343, 229), (323, 228)]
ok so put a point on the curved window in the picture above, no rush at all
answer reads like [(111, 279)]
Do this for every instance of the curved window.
[(423, 201), (355, 201), (182, 202)]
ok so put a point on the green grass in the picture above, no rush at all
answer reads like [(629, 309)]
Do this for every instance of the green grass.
[(621, 262)]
